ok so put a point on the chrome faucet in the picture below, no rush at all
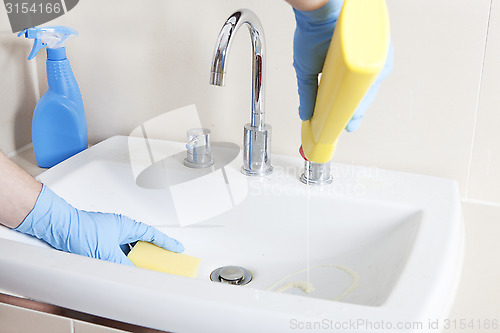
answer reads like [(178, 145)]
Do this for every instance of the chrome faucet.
[(257, 134)]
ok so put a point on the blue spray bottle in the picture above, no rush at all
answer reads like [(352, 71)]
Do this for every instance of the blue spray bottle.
[(59, 127)]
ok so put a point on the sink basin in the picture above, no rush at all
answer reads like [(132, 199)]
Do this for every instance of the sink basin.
[(375, 247)]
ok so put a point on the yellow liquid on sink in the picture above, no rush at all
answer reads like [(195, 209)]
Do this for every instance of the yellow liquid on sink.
[(309, 288), (305, 286)]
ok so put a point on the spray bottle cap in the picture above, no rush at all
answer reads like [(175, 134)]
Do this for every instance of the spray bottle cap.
[(50, 37)]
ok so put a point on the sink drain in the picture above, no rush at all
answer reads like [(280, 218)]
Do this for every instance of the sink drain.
[(232, 275)]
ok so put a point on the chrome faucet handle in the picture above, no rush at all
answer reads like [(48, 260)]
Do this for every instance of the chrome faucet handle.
[(198, 151)]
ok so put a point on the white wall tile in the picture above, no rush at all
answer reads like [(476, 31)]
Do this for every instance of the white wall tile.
[(17, 93), (484, 181), (140, 61), (4, 20), (478, 295), (423, 118), (135, 61)]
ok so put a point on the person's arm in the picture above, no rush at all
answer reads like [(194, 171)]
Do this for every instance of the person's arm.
[(18, 193), (33, 209), (307, 5)]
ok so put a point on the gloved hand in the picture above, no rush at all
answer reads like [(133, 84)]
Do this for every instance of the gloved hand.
[(96, 235), (311, 41)]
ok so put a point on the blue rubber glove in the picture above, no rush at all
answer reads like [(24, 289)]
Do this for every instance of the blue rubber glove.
[(95, 235), (312, 38)]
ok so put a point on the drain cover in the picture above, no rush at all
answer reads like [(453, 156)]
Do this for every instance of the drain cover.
[(232, 275)]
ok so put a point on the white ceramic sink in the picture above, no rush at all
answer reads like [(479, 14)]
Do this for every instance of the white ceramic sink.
[(382, 248)]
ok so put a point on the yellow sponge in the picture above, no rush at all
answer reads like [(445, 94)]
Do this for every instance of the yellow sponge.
[(150, 256)]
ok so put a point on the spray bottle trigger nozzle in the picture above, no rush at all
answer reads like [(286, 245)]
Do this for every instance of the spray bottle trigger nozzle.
[(37, 46), (50, 37), (38, 43), (23, 32)]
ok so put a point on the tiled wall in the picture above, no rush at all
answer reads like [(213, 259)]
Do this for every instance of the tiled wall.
[(134, 60), (17, 89), (17, 319), (485, 167)]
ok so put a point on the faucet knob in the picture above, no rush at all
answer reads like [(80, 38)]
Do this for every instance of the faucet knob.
[(199, 153)]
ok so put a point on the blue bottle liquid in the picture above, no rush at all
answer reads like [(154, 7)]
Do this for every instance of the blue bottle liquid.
[(59, 127)]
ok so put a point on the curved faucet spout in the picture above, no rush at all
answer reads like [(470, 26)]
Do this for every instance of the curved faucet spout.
[(257, 134), (218, 72)]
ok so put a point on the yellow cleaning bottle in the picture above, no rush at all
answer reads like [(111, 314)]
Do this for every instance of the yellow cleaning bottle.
[(356, 56)]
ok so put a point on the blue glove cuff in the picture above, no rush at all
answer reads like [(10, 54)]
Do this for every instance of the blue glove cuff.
[(328, 13), (41, 224), (41, 208)]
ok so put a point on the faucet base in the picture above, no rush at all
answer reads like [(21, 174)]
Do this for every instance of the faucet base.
[(256, 173), (256, 151), (316, 173)]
